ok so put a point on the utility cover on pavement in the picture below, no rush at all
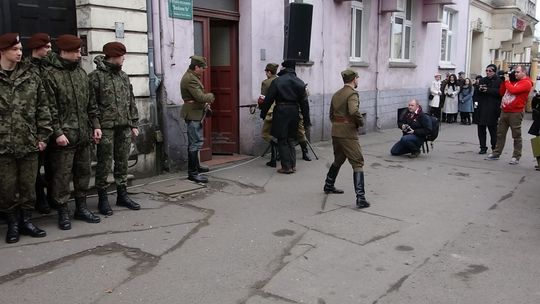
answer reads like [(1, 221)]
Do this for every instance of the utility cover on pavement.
[(174, 186)]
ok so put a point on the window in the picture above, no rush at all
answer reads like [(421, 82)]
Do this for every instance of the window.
[(401, 35), (357, 17), (447, 35)]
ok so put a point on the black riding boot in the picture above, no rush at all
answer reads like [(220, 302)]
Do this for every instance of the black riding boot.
[(104, 206), (193, 172), (305, 151), (82, 213), (12, 234), (123, 200), (200, 168), (64, 222), (42, 205), (330, 180), (26, 227), (358, 178), (273, 148)]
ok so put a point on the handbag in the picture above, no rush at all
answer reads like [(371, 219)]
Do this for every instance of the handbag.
[(430, 97)]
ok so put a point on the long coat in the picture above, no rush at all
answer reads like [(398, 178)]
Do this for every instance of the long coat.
[(466, 99), (435, 90), (451, 100), (489, 102)]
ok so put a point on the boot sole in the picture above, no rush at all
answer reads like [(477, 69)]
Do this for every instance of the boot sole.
[(80, 218), (129, 207), (33, 234)]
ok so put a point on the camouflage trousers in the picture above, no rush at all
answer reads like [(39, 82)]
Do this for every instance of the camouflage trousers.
[(17, 179), (114, 145), (63, 165)]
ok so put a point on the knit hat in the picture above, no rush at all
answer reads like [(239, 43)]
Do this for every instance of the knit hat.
[(114, 49), (348, 75), (68, 42), (271, 67), (38, 40), (8, 40), (198, 61), (289, 64)]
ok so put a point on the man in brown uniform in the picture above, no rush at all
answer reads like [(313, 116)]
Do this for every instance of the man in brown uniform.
[(270, 70), (196, 103), (346, 119)]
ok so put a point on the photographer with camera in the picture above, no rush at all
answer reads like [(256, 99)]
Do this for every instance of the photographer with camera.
[(489, 107), (512, 105), (415, 126)]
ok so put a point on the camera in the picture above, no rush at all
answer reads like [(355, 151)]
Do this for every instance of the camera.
[(511, 75)]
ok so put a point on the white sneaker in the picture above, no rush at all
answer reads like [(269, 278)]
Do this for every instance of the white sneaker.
[(514, 161)]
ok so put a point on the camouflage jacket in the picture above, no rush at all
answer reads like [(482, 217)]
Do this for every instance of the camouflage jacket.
[(114, 95), (73, 110), (195, 99), (24, 114)]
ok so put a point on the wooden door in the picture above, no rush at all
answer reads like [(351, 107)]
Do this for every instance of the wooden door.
[(201, 33), (224, 82)]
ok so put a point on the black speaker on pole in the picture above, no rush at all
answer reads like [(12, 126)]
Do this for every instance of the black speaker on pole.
[(298, 18)]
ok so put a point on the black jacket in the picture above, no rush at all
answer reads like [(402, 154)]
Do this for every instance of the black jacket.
[(421, 124), (287, 88), (489, 102)]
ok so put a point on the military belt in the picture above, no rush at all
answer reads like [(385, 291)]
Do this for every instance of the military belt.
[(340, 119)]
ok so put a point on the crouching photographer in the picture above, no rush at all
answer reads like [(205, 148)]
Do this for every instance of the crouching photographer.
[(415, 126)]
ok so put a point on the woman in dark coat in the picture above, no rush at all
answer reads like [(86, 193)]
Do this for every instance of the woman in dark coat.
[(489, 107), (475, 98)]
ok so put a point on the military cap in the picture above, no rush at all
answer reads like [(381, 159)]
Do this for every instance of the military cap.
[(198, 61), (68, 42), (38, 40), (271, 67), (348, 75), (8, 40), (289, 64), (114, 49)]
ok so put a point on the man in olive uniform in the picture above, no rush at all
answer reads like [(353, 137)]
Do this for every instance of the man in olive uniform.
[(288, 92), (118, 119), (24, 127), (40, 44), (75, 123), (196, 104), (270, 71), (346, 119)]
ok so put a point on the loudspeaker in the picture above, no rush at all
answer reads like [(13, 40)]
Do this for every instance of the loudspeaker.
[(298, 18)]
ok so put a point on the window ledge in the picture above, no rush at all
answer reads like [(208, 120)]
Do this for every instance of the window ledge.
[(308, 63), (359, 64), (446, 66), (397, 64)]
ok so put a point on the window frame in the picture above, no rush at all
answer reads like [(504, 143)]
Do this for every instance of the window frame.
[(355, 7), (448, 25), (408, 9)]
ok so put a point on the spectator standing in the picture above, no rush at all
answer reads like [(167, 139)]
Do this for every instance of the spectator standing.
[(451, 101), (465, 106), (435, 91)]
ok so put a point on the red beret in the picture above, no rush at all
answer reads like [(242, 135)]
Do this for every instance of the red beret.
[(68, 42), (114, 49), (8, 40), (38, 40)]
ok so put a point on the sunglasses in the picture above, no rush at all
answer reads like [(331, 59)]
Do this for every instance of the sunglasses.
[(490, 70)]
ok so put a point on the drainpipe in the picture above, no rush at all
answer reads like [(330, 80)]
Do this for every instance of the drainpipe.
[(377, 122), (154, 84)]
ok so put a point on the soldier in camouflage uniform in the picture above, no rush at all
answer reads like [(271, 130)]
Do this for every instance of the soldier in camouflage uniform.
[(196, 103), (118, 119), (24, 127), (75, 123), (40, 44), (346, 119)]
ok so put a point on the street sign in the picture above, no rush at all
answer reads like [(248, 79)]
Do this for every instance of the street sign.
[(181, 9)]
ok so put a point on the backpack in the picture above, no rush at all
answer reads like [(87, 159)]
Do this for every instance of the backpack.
[(434, 128)]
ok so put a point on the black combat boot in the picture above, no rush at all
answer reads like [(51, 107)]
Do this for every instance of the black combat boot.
[(27, 227), (200, 168), (82, 213), (12, 234), (42, 205), (64, 222), (305, 151), (193, 173), (273, 148), (358, 178), (103, 203), (123, 200), (330, 180)]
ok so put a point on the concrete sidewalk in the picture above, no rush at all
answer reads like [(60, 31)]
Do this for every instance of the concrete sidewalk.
[(446, 227)]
